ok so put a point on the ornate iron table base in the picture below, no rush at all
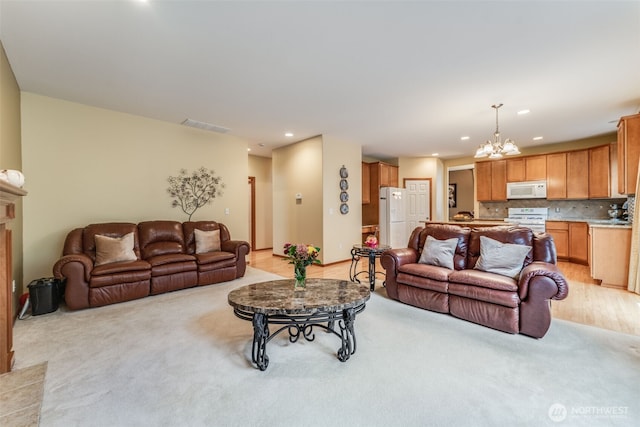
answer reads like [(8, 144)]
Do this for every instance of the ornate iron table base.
[(359, 251), (301, 325)]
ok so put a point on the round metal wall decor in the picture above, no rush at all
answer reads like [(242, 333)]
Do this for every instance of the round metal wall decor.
[(344, 186)]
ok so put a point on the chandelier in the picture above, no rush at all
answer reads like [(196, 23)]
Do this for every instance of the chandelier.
[(496, 148)]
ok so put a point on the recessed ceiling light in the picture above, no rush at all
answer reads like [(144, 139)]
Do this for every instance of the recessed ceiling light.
[(261, 144), (248, 149), (435, 154), (537, 138), (521, 112), (288, 134), (464, 138)]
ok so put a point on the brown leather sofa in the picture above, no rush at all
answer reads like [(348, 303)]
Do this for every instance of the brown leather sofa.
[(514, 305), (164, 258)]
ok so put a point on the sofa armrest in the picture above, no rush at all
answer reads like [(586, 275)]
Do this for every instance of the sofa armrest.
[(391, 260), (539, 268), (75, 270), (240, 248)]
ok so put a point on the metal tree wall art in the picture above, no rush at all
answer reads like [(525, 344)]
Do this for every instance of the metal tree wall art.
[(192, 191)]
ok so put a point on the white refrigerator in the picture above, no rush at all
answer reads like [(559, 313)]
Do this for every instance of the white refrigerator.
[(393, 227)]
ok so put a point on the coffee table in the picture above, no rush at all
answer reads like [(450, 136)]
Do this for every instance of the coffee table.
[(322, 304)]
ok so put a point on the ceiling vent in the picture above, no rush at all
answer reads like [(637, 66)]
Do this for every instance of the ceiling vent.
[(205, 126)]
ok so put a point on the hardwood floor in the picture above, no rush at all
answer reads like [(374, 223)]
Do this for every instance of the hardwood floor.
[(588, 303)]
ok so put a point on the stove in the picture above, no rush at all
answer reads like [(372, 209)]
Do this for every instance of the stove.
[(533, 218)]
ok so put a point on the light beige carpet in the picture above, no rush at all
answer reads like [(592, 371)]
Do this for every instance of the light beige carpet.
[(183, 359), (21, 396)]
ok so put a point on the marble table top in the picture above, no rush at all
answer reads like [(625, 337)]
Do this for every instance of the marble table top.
[(279, 296)]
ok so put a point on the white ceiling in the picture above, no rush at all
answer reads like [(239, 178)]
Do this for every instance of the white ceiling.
[(399, 78)]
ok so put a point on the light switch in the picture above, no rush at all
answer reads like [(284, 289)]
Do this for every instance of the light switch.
[(226, 211)]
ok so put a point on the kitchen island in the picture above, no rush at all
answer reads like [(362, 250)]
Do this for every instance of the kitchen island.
[(474, 223)]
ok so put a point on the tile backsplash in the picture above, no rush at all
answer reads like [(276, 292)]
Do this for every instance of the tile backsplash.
[(558, 209)]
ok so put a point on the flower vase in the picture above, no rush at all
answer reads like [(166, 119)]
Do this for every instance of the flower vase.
[(300, 272)]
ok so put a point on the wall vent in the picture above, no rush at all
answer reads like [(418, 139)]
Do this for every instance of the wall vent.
[(205, 126)]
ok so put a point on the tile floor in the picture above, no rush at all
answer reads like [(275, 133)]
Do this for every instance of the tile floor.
[(21, 396)]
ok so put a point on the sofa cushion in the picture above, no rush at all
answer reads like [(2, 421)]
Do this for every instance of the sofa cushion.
[(503, 234), (477, 293), (425, 270), (484, 280), (207, 241), (439, 252), (114, 249), (506, 259), (444, 232)]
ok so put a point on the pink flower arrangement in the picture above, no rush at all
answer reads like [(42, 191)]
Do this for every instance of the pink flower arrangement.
[(301, 254), (371, 241)]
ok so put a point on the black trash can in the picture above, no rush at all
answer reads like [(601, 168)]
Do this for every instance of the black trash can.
[(44, 295)]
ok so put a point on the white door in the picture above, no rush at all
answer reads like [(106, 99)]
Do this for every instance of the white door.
[(418, 192)]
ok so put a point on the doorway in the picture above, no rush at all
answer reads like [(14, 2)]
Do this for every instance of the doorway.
[(461, 190)]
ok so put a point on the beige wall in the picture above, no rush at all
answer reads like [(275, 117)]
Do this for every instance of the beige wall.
[(426, 167), (297, 169), (86, 165), (312, 168), (340, 231), (11, 158), (260, 168)]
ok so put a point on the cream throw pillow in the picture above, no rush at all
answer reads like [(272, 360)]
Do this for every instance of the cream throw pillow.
[(501, 258), (207, 241), (114, 249)]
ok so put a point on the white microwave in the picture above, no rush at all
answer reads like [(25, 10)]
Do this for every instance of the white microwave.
[(527, 190)]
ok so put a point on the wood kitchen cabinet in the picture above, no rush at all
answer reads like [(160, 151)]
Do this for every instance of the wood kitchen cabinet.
[(366, 183), (556, 176), (579, 242), (578, 174), (380, 175), (628, 153), (610, 250), (530, 168), (559, 230), (491, 180), (599, 173)]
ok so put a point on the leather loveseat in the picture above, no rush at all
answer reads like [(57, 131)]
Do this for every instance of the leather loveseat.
[(115, 262), (518, 304)]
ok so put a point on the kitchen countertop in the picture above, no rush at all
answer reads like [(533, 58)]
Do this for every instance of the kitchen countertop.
[(602, 223), (475, 222)]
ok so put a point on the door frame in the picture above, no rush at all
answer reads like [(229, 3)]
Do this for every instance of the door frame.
[(252, 215), (446, 185)]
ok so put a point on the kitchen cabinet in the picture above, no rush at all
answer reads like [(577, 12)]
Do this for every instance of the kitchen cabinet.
[(559, 230), (366, 183), (610, 249), (599, 174), (556, 176), (579, 242), (380, 175), (530, 168), (491, 180), (628, 153), (578, 174)]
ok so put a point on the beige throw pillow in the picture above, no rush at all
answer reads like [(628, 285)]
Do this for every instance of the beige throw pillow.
[(114, 249), (207, 241), (439, 252), (496, 257)]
